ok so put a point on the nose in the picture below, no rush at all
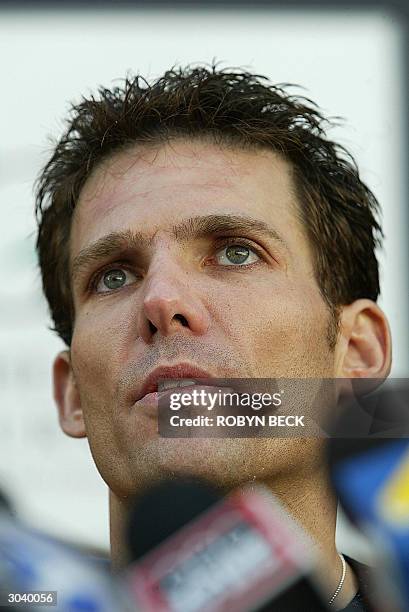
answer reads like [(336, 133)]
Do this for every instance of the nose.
[(169, 305)]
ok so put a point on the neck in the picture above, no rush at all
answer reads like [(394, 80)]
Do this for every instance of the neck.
[(309, 500)]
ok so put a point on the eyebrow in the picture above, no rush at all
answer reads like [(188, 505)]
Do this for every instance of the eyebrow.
[(194, 227)]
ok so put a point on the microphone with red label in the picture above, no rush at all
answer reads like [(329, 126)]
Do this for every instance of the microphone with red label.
[(194, 551)]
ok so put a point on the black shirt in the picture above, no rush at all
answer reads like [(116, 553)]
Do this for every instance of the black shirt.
[(362, 571)]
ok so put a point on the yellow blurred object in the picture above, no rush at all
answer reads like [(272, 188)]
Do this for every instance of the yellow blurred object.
[(394, 498)]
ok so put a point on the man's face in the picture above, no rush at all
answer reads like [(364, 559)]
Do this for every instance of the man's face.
[(179, 292)]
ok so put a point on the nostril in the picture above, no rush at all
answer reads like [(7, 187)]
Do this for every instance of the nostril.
[(182, 319), (152, 328)]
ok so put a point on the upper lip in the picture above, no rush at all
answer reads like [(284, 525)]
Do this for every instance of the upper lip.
[(179, 370)]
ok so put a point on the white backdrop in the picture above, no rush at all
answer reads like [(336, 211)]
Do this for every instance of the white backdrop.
[(348, 63)]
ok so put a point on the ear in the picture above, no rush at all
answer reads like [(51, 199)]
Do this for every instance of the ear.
[(364, 346), (67, 397)]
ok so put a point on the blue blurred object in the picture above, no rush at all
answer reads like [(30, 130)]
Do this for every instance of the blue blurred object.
[(371, 477), (33, 561)]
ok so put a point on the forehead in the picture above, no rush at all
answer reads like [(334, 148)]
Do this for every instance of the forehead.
[(149, 188)]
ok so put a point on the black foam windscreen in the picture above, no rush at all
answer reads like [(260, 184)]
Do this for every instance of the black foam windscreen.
[(164, 509)]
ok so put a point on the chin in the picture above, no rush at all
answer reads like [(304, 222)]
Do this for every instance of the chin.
[(226, 463)]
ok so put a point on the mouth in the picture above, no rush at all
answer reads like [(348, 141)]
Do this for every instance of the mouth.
[(166, 378)]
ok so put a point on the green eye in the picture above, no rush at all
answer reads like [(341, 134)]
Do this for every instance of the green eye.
[(236, 254), (115, 278)]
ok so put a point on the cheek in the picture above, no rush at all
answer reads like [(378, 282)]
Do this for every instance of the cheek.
[(281, 326), (95, 349)]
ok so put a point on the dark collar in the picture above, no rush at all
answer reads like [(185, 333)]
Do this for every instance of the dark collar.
[(360, 601)]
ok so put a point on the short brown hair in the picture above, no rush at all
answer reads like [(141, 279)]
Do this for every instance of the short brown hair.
[(231, 108)]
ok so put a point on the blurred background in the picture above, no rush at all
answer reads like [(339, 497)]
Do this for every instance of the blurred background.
[(349, 62)]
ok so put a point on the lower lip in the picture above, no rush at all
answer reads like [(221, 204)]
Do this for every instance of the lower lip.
[(151, 400)]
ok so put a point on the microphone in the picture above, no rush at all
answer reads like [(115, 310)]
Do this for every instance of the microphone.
[(371, 477), (193, 550), (31, 561), (179, 500)]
